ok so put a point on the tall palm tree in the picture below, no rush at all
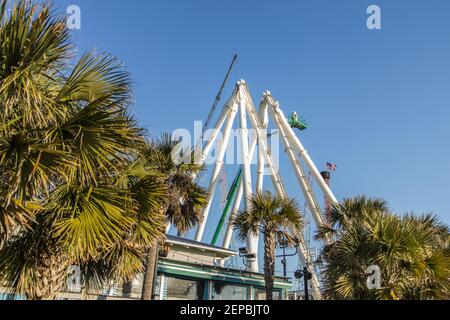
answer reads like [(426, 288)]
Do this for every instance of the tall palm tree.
[(278, 219), (68, 195), (411, 252), (185, 198)]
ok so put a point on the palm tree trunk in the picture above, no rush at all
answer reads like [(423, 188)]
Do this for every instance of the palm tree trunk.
[(269, 263), (149, 275)]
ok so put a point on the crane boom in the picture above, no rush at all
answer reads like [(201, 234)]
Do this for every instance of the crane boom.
[(219, 95)]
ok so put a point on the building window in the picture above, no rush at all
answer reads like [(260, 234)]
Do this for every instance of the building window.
[(260, 294), (221, 291), (7, 296), (181, 289)]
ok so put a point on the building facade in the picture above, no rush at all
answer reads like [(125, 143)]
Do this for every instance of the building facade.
[(194, 271), (186, 270)]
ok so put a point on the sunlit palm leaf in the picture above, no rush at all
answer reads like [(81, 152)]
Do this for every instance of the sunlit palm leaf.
[(410, 251)]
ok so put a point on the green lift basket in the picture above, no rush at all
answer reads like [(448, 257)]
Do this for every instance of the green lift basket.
[(297, 123)]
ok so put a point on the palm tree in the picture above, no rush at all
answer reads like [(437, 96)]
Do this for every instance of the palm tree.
[(185, 198), (67, 145), (411, 252), (278, 219)]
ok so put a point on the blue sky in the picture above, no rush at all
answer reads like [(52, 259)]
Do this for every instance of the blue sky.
[(378, 102)]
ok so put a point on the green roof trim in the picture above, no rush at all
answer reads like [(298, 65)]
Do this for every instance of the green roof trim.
[(218, 274)]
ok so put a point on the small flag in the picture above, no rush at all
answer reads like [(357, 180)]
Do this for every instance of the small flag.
[(331, 166)]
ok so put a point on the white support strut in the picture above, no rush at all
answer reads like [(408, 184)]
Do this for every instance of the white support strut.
[(305, 156), (241, 106), (259, 184), (252, 242), (237, 203), (217, 127), (218, 167), (311, 200), (210, 143), (263, 115), (304, 254)]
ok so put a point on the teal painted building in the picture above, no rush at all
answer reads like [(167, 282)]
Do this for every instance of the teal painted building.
[(194, 271)]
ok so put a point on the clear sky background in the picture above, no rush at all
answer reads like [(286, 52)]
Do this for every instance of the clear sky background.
[(377, 102)]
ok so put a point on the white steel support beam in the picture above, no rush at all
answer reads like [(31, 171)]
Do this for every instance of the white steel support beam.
[(218, 126), (264, 117), (242, 103), (264, 149), (252, 243), (237, 202), (304, 254), (203, 154), (299, 172), (305, 156), (239, 195), (218, 167)]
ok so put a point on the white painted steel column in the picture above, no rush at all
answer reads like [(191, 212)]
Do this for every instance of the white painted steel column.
[(218, 167), (299, 172), (264, 117), (215, 133), (256, 123), (252, 243), (218, 126), (304, 255), (237, 203), (304, 154)]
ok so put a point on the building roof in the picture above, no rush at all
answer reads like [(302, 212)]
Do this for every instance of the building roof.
[(225, 253)]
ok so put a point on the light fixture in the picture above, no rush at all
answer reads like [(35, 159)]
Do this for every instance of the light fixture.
[(307, 276), (251, 257), (164, 250), (284, 244), (243, 252)]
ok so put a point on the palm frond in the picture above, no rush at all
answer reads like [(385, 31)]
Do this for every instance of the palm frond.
[(410, 251), (89, 218)]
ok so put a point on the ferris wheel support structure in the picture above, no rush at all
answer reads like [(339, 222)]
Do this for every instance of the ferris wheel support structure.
[(240, 108), (304, 254)]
